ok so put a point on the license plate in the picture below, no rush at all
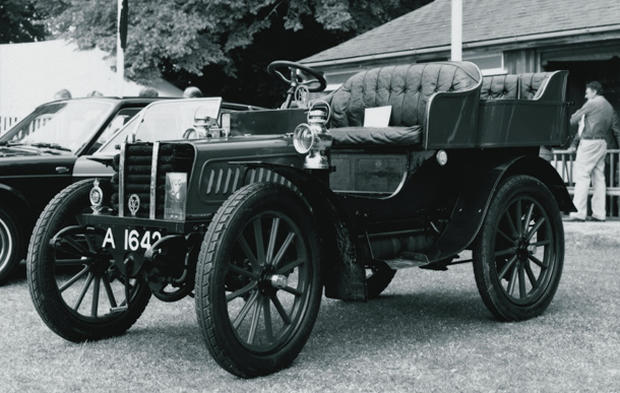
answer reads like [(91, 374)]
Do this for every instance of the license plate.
[(130, 239)]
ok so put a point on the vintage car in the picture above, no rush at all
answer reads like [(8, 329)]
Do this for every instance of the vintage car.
[(52, 147), (37, 156), (271, 207)]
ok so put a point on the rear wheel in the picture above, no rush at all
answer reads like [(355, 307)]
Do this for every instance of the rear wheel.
[(11, 249), (519, 252), (74, 285), (258, 288)]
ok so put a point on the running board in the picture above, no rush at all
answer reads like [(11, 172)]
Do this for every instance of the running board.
[(407, 259)]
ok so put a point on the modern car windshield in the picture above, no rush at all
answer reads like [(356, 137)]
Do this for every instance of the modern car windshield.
[(62, 125), (164, 120)]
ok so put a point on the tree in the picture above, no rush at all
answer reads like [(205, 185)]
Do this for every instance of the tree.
[(19, 22), (221, 46)]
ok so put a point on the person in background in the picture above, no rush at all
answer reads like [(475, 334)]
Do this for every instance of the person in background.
[(599, 120), (192, 92), (95, 93), (62, 94), (148, 92)]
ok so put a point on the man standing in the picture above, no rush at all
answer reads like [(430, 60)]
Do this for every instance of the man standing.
[(599, 119)]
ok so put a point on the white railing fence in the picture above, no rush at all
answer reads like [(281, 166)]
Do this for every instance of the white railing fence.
[(6, 122), (563, 161)]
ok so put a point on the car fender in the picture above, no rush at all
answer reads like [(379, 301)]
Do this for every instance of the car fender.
[(342, 273), (16, 195), (473, 203)]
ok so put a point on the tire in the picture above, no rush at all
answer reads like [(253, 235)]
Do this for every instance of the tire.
[(45, 272), (378, 277), (11, 244), (520, 248), (229, 264)]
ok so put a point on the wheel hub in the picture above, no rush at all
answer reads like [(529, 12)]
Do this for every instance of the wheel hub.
[(278, 281), (523, 249), (269, 281)]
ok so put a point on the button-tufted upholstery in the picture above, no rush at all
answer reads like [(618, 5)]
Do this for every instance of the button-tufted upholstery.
[(499, 87), (521, 86), (531, 85), (407, 88)]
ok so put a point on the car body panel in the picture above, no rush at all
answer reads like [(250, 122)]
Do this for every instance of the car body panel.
[(30, 176)]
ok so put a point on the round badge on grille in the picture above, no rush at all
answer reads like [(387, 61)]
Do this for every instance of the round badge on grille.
[(133, 204), (96, 197)]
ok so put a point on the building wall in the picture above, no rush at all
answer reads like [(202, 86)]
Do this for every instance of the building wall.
[(522, 60), (535, 57)]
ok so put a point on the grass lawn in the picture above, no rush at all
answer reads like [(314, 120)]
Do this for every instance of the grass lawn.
[(429, 332)]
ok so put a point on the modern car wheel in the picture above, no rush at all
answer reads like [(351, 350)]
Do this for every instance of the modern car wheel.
[(11, 241), (258, 286), (519, 252), (74, 285)]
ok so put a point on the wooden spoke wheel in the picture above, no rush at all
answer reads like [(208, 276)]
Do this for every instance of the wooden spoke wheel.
[(74, 285), (258, 288), (519, 252)]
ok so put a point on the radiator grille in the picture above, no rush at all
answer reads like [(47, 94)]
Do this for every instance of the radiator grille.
[(137, 174)]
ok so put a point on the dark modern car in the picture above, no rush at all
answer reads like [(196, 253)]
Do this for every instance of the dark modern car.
[(257, 226), (37, 156)]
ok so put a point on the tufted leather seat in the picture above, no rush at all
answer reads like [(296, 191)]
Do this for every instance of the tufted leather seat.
[(407, 88), (528, 86), (531, 85), (499, 87)]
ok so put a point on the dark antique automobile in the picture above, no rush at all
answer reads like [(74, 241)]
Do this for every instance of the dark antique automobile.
[(256, 225), (37, 157), (161, 120)]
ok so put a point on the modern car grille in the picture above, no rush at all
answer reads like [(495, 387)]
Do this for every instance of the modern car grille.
[(137, 171)]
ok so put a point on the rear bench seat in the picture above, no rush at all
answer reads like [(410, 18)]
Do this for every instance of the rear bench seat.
[(406, 88), (521, 86)]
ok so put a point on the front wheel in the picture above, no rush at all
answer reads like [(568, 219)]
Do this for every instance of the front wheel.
[(519, 252), (258, 286), (74, 284)]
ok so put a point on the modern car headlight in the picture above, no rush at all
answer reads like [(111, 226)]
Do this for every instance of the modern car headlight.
[(303, 138)]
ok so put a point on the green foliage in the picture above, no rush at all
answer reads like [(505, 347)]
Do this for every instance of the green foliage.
[(221, 46), (19, 22)]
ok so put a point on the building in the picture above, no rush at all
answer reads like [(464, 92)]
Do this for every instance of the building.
[(31, 73), (500, 37)]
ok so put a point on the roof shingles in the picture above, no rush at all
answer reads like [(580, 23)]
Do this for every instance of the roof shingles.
[(429, 26)]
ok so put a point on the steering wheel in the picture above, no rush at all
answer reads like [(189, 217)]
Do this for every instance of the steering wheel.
[(297, 78)]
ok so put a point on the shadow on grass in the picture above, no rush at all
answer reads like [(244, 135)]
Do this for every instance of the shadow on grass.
[(387, 320), (344, 331), (418, 315)]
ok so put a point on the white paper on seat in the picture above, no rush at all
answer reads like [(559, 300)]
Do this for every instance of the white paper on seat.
[(378, 116)]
